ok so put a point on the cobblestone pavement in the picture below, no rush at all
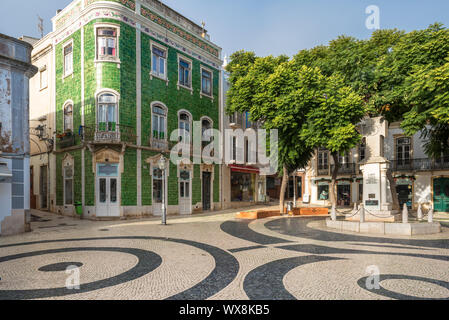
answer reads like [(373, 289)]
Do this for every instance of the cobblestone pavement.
[(218, 257)]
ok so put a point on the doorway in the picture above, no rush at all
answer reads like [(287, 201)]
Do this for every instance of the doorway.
[(185, 192), (108, 186), (405, 195), (207, 179), (33, 204), (158, 192), (43, 187), (441, 194), (344, 195)]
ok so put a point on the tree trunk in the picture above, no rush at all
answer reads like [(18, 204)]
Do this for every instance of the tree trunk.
[(283, 190), (393, 189), (333, 191)]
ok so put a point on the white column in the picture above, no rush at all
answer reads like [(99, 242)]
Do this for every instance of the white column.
[(384, 205), (139, 113), (83, 155)]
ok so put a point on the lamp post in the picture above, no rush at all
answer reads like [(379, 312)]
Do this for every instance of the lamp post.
[(162, 164)]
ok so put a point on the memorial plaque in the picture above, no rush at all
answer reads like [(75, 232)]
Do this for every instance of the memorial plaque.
[(371, 179), (372, 203), (372, 196)]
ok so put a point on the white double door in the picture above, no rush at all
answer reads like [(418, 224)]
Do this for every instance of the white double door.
[(108, 195), (185, 193)]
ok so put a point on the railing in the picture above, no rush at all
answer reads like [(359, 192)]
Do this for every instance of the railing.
[(158, 144), (323, 171), (236, 120), (66, 140), (344, 169), (420, 164), (108, 133)]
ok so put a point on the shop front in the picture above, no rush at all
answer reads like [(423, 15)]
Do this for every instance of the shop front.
[(244, 186), (404, 189), (344, 193)]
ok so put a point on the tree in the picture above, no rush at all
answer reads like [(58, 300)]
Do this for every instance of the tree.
[(429, 98), (276, 94), (331, 124)]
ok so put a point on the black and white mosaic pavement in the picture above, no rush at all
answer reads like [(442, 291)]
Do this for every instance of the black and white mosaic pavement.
[(218, 257)]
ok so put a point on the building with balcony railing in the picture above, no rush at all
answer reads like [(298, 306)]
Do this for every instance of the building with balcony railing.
[(116, 79), (419, 179), (242, 183)]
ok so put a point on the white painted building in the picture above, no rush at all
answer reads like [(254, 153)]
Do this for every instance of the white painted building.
[(419, 179), (15, 71)]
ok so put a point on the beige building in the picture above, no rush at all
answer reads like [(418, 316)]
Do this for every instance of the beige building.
[(419, 179), (243, 184), (42, 124)]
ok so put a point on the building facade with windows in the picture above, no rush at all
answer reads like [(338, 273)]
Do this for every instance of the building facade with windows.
[(122, 76), (243, 184), (419, 179), (15, 71)]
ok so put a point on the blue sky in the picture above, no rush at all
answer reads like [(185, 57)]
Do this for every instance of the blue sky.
[(264, 26)]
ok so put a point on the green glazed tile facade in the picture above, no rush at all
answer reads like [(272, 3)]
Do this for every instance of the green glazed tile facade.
[(122, 78)]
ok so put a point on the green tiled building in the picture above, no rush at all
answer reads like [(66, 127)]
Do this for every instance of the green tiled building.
[(125, 74)]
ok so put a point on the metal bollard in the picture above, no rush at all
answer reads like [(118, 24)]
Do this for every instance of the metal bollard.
[(430, 217), (362, 214), (334, 213), (405, 214), (420, 214)]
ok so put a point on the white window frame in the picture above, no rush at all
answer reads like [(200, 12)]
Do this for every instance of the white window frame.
[(180, 112), (41, 71), (319, 164), (202, 93), (66, 104), (162, 48), (162, 106), (187, 185), (181, 57), (115, 59), (70, 72), (117, 106), (65, 179)]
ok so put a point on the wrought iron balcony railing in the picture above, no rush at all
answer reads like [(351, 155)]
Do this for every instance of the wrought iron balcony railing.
[(344, 169), (420, 164), (108, 133), (65, 140)]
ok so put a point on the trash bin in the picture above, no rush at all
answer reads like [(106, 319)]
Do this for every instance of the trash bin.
[(79, 208)]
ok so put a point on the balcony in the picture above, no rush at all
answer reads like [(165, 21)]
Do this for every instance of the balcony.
[(344, 169), (108, 133), (419, 164), (158, 144), (323, 171), (236, 121), (65, 140)]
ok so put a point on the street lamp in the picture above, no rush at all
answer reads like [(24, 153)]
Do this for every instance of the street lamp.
[(162, 164)]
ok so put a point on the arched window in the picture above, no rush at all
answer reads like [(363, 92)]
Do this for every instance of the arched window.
[(185, 124), (206, 124), (159, 123), (68, 117), (107, 112)]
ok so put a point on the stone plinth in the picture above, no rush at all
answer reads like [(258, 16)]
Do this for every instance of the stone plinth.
[(385, 228)]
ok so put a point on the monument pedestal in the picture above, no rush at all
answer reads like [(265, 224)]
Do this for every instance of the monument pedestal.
[(375, 189)]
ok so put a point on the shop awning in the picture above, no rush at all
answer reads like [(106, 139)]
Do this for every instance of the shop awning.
[(243, 169), (4, 171)]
